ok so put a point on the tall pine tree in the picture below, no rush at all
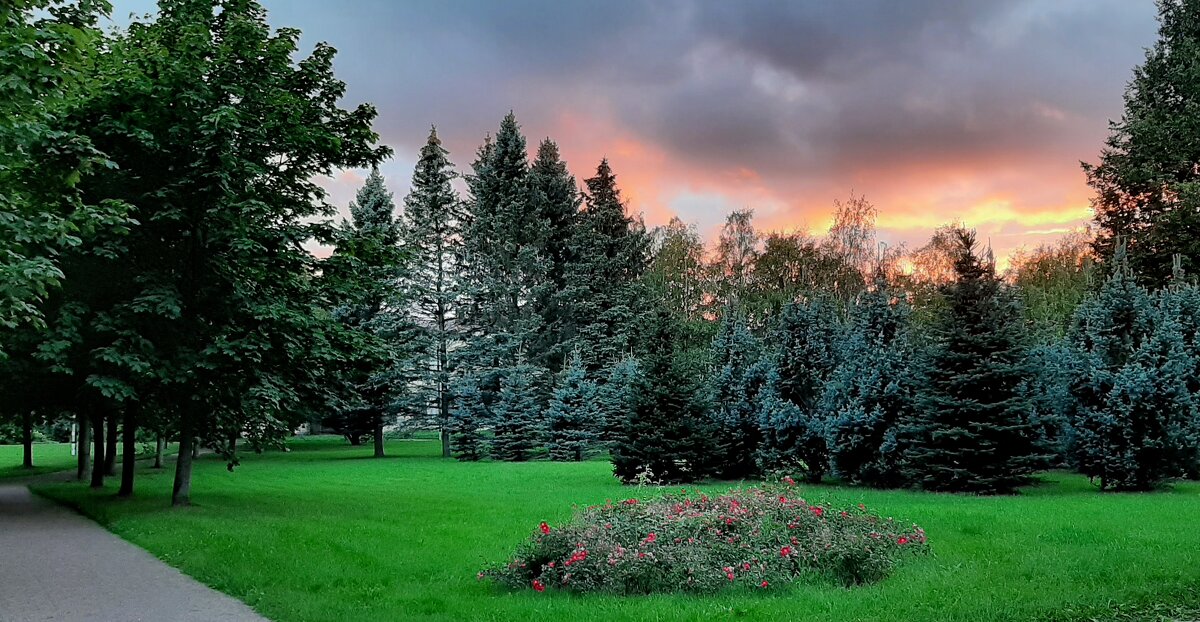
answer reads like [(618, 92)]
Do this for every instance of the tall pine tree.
[(1147, 183), (972, 431), (574, 419), (733, 386), (433, 239)]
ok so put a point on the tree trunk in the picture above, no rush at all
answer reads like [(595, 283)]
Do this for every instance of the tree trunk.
[(158, 451), (98, 450), (181, 491), (354, 439), (195, 448), (445, 442), (379, 437), (110, 450), (83, 446), (129, 459), (233, 439), (27, 439)]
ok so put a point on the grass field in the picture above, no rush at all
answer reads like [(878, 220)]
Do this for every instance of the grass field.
[(47, 458), (326, 533)]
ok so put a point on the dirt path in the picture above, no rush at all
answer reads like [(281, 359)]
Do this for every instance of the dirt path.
[(57, 565)]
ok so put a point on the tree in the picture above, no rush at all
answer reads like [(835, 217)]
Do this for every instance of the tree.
[(365, 269), (574, 419), (218, 134), (469, 416), (663, 437), (1134, 419), (555, 199), (433, 237), (872, 392), (1147, 183), (519, 424), (503, 271), (851, 249), (738, 247), (733, 386), (793, 427), (603, 300), (45, 49), (972, 431), (1052, 280)]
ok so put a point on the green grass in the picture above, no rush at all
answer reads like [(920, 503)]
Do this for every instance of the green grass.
[(326, 533), (47, 458)]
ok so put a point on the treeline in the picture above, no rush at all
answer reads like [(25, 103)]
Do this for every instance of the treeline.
[(157, 188)]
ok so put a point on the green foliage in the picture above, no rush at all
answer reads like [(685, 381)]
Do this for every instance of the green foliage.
[(518, 414), (794, 427), (733, 388), (1135, 422), (762, 538), (575, 416), (469, 416), (973, 431), (1146, 182), (872, 393), (664, 437), (432, 227)]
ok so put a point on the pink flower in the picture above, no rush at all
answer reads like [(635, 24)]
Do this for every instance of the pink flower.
[(551, 564), (745, 565), (817, 511), (785, 551), (538, 587), (765, 584), (789, 481), (544, 527), (630, 502), (902, 540), (651, 538)]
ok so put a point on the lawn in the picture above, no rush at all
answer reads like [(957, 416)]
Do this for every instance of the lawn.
[(47, 458), (324, 532)]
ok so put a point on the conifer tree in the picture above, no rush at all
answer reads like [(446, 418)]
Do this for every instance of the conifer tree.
[(468, 418), (733, 393), (608, 252), (432, 237), (972, 431), (618, 395), (663, 437), (503, 271), (1134, 419), (793, 427), (363, 273), (554, 198), (574, 419), (1147, 184), (873, 389), (518, 414)]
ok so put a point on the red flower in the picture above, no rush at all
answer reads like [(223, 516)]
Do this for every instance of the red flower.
[(902, 540), (745, 565), (544, 527), (652, 537), (765, 583), (785, 551), (789, 481), (551, 564), (538, 587), (817, 510), (630, 502)]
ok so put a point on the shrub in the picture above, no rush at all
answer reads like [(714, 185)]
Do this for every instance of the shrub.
[(759, 537)]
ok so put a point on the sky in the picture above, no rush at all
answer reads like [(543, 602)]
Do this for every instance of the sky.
[(977, 111)]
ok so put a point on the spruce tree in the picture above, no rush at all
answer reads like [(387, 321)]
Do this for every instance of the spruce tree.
[(663, 437), (574, 419), (1134, 419), (554, 198), (618, 395), (503, 269), (602, 299), (972, 431), (733, 387), (468, 418), (793, 426), (362, 274), (432, 238), (872, 391), (518, 414), (1147, 183)]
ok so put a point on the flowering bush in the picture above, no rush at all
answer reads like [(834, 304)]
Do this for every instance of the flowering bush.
[(759, 537)]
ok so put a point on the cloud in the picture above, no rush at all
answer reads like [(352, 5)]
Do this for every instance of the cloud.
[(936, 110)]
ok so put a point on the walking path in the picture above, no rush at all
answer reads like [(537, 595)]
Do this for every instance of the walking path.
[(57, 565)]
